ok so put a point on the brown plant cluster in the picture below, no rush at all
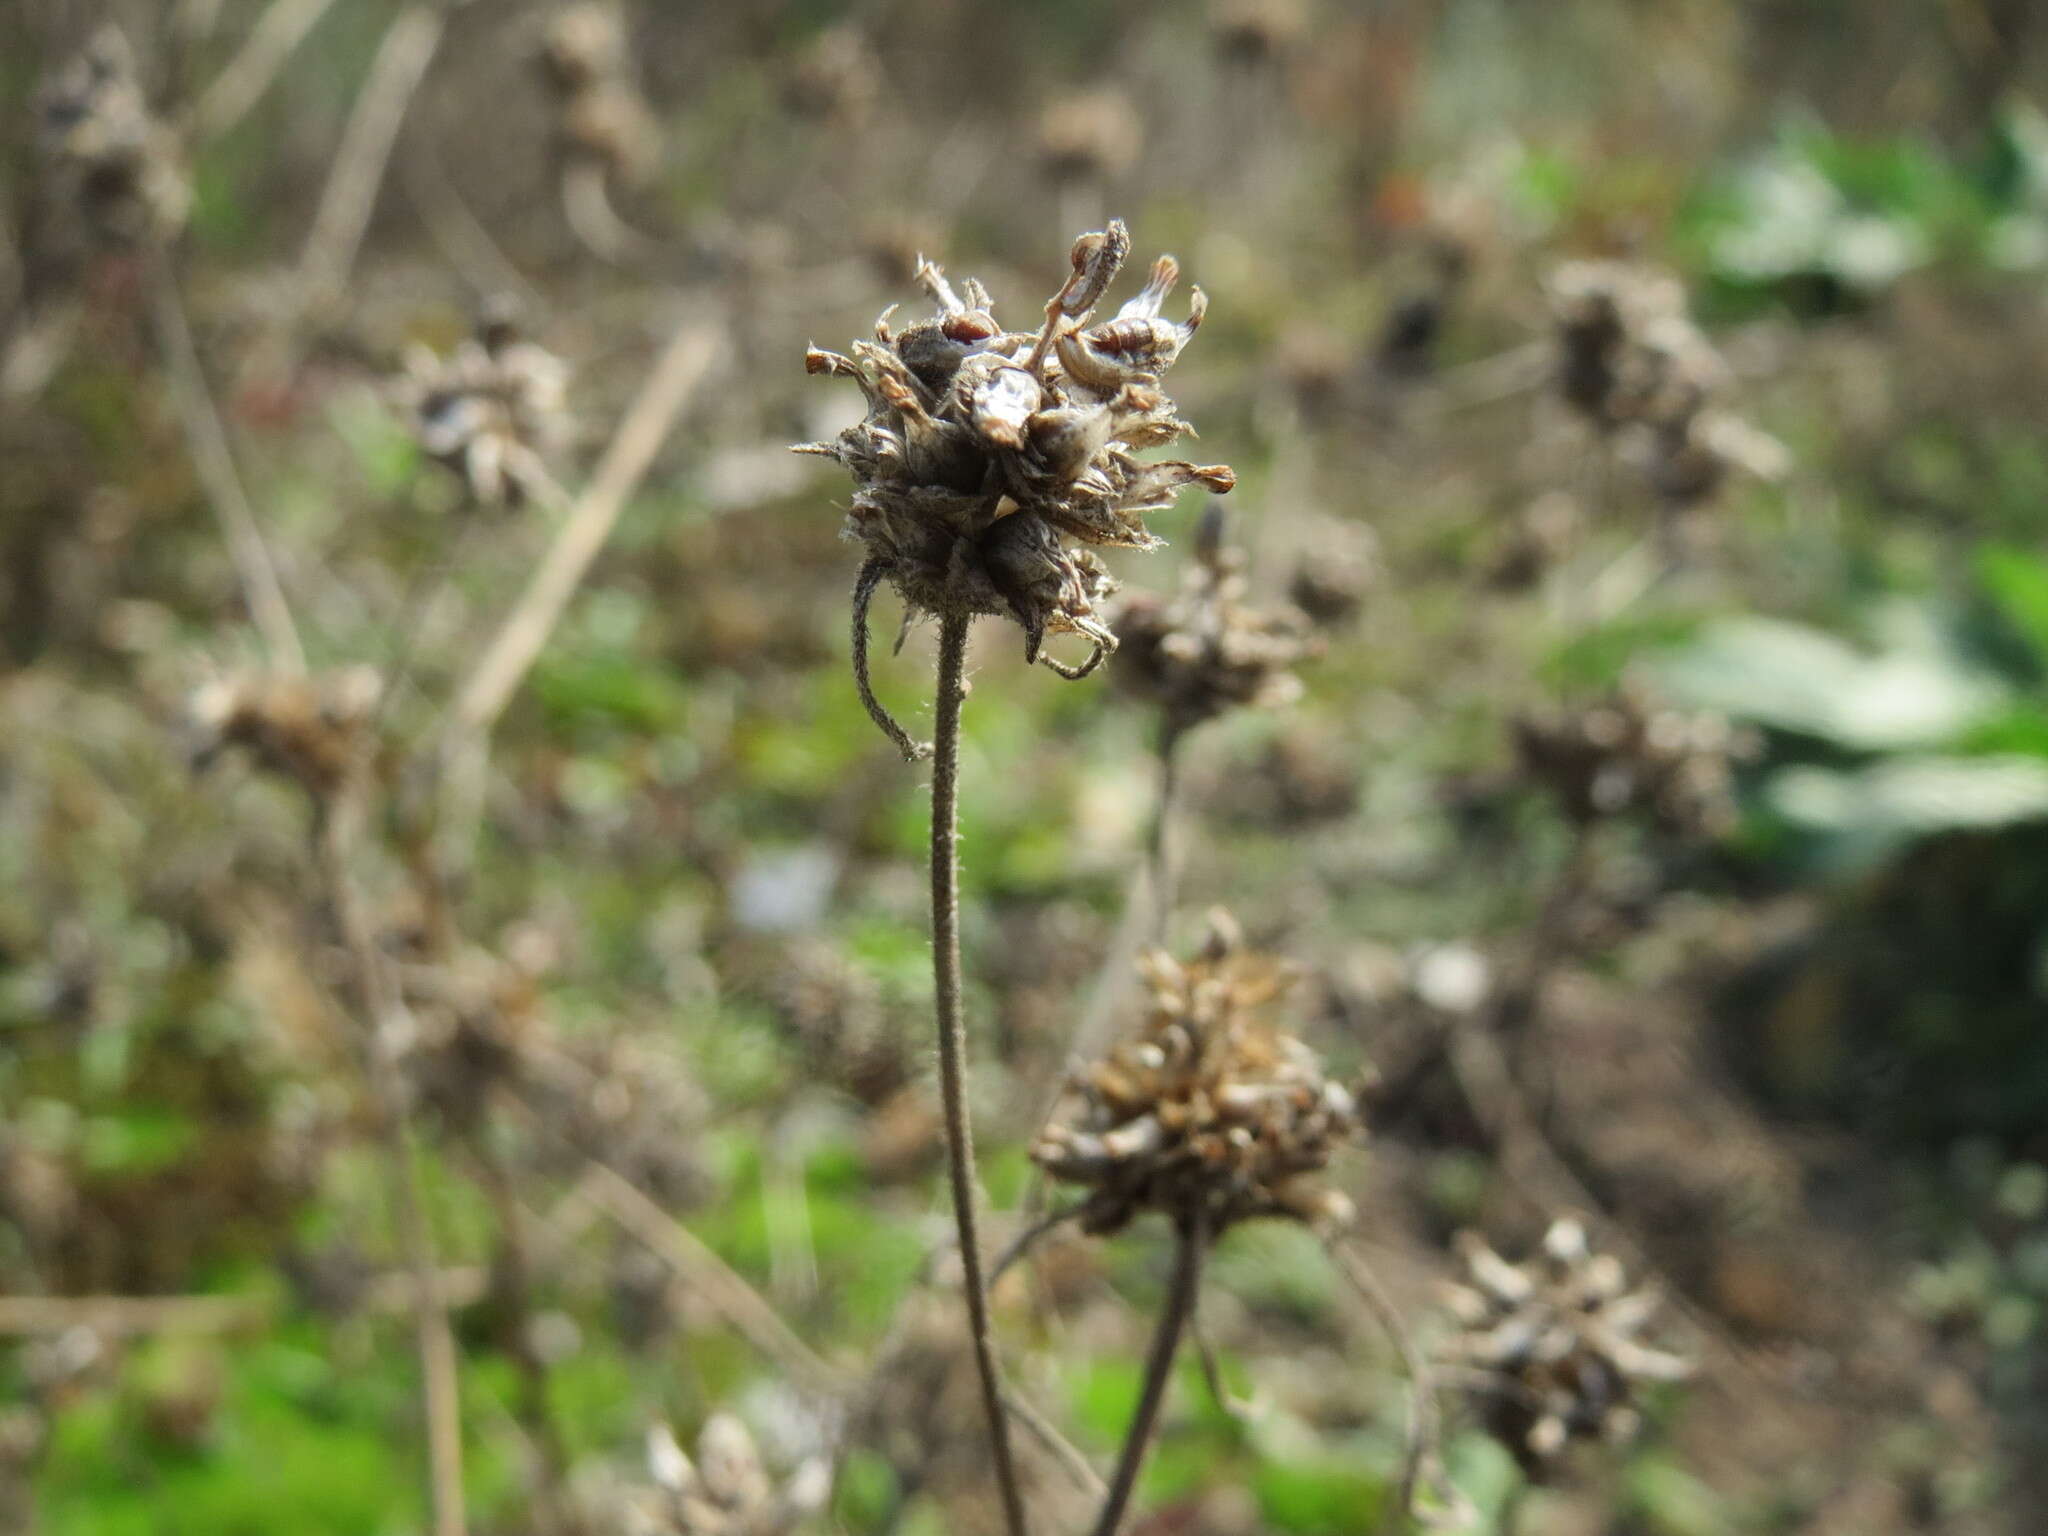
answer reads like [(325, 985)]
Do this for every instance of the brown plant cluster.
[(724, 1490), (489, 412), (1632, 362), (1557, 1344), (1206, 650), (307, 729), (1210, 1115), (602, 118), (1629, 756), (108, 156), (993, 463)]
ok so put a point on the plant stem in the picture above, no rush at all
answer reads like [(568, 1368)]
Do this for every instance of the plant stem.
[(379, 999), (1162, 852), (951, 692), (1180, 1306)]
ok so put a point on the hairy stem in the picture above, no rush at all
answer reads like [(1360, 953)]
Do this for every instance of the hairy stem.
[(951, 691), (1180, 1306)]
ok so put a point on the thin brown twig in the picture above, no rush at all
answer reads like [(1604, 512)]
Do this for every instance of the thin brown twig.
[(122, 1316), (949, 694), (1189, 1241), (380, 1003), (1425, 1426), (715, 1280), (214, 463), (511, 653), (243, 80), (350, 195)]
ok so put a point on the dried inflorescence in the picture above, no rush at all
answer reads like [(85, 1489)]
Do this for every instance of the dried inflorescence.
[(1090, 136), (1626, 755), (837, 76), (1210, 1115), (604, 120), (723, 1491), (1255, 32), (109, 157), (490, 411), (992, 463), (1205, 650), (1631, 359), (1556, 1342), (309, 730)]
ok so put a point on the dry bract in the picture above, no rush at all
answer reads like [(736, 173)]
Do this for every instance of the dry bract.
[(992, 463), (1206, 650), (1210, 1114), (306, 729), (108, 156), (1628, 756), (1557, 1342), (490, 411)]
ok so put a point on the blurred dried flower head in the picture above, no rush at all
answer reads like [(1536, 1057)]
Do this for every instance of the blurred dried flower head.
[(1541, 534), (1090, 136), (603, 117), (108, 156), (1557, 1342), (306, 729), (1632, 359), (836, 76), (1205, 650), (1257, 31), (724, 1491), (490, 411), (991, 462), (1333, 575), (835, 1008), (1209, 1115), (1626, 756)]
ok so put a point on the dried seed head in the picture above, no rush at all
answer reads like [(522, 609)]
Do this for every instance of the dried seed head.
[(108, 156), (490, 411), (837, 76), (1254, 32), (1205, 650), (1208, 1114), (725, 1490), (1627, 756), (989, 459), (1632, 360), (305, 729), (1091, 136), (602, 116), (1557, 1342)]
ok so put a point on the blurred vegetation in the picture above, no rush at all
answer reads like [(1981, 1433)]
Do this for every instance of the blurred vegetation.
[(1801, 1068)]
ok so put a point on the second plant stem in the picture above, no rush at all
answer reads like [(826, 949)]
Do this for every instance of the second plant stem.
[(951, 692), (1173, 1322)]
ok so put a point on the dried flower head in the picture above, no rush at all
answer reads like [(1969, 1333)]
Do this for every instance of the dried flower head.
[(1628, 756), (1557, 1340), (1205, 650), (490, 411), (991, 462), (836, 76), (1210, 1115), (109, 156), (1257, 31), (306, 729), (723, 1491), (603, 117), (1631, 359), (1090, 136)]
